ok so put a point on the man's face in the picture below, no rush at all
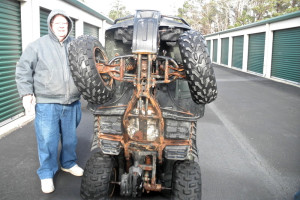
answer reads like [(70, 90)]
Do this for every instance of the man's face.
[(59, 26)]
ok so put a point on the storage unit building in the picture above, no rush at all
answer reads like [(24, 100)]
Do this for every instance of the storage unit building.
[(286, 54), (208, 46), (256, 52), (224, 51), (269, 48), (22, 22), (215, 50), (89, 29), (10, 51), (237, 51)]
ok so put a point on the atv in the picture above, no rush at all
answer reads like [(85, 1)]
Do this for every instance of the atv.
[(146, 89)]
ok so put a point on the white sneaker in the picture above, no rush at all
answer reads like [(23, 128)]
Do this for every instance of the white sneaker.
[(47, 185), (75, 170)]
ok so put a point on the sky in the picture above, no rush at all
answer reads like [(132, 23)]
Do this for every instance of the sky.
[(167, 7)]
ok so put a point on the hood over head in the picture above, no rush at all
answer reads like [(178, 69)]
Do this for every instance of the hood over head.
[(51, 15)]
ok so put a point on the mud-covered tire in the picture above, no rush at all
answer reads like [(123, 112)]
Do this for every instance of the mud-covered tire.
[(186, 181), (99, 171), (199, 72), (84, 52)]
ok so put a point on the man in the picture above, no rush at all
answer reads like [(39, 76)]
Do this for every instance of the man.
[(43, 76)]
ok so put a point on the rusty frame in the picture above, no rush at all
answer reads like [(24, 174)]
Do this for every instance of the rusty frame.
[(117, 70), (157, 146)]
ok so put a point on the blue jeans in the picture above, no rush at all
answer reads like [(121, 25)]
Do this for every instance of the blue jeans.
[(54, 123)]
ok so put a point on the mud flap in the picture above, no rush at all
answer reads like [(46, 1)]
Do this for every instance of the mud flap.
[(145, 32)]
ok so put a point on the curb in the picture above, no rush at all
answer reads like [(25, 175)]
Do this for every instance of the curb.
[(14, 125)]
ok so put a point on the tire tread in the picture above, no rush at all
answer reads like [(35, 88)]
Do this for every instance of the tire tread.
[(197, 64), (186, 181), (84, 72)]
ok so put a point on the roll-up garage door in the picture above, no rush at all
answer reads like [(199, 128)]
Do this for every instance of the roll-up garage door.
[(224, 50), (256, 52), (215, 50), (286, 54), (208, 46), (89, 29), (237, 51), (10, 52), (43, 21), (44, 26)]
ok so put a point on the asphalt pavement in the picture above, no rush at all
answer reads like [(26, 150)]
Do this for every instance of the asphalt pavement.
[(248, 143)]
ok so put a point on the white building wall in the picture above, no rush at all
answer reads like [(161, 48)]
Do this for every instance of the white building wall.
[(245, 52), (30, 28), (268, 52), (230, 52), (268, 28), (30, 19), (219, 50)]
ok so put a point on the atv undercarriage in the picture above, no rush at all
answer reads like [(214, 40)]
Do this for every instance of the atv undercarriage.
[(146, 89)]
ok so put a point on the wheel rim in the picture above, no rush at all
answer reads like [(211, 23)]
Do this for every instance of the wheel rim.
[(100, 57)]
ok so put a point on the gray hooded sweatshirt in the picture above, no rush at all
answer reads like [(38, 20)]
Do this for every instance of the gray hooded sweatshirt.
[(43, 68)]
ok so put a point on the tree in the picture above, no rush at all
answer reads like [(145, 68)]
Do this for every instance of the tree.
[(223, 17), (208, 14), (190, 12), (184, 11), (241, 13), (118, 10), (218, 15), (281, 7)]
